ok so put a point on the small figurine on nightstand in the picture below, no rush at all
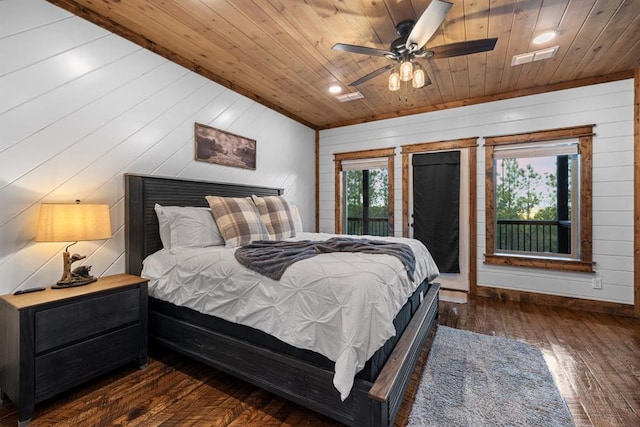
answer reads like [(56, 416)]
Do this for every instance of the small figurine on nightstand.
[(74, 258), (78, 277), (82, 272)]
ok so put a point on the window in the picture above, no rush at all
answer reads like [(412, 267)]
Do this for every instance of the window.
[(538, 203), (364, 192), (533, 198), (366, 201)]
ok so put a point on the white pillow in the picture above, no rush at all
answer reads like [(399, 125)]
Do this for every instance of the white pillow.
[(188, 226), (297, 219), (163, 226)]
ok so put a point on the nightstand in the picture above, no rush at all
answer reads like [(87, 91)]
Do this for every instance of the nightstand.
[(58, 338)]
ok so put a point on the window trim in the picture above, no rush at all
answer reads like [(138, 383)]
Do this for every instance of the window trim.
[(584, 135), (338, 158)]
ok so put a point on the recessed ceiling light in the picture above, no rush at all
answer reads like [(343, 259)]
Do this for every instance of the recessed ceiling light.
[(544, 37), (335, 89)]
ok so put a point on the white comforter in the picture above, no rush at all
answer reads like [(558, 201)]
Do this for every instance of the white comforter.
[(340, 305)]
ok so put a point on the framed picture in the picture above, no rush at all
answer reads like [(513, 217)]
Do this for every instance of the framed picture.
[(224, 148)]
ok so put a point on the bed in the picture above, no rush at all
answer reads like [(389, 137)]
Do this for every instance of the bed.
[(298, 375)]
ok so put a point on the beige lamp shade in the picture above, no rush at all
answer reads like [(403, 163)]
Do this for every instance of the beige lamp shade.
[(70, 222)]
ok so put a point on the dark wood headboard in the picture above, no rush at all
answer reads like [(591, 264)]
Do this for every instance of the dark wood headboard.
[(142, 192)]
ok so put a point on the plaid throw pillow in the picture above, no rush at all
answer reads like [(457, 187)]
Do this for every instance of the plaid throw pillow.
[(238, 220), (276, 216)]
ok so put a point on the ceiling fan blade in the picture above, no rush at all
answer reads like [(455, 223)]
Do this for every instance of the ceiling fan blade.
[(463, 48), (371, 75), (427, 24), (363, 50)]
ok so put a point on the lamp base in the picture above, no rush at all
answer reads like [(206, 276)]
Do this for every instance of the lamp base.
[(74, 282)]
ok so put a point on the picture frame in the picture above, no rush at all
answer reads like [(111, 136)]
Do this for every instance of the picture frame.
[(224, 148)]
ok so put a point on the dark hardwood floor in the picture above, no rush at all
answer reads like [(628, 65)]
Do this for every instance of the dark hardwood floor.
[(594, 358)]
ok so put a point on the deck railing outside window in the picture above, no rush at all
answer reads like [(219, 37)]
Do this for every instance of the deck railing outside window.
[(534, 236), (377, 226)]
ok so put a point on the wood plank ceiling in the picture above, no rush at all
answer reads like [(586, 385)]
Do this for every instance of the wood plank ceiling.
[(278, 52)]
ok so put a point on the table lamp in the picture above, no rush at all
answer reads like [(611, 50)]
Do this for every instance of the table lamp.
[(65, 222)]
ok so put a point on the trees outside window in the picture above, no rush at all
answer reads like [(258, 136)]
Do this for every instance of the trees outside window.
[(367, 209), (533, 206)]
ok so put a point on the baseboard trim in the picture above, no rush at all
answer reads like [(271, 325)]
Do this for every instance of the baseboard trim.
[(625, 310)]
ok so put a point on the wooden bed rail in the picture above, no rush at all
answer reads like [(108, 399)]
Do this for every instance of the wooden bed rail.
[(390, 374)]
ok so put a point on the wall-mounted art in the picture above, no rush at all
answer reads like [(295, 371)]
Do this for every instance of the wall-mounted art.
[(224, 148)]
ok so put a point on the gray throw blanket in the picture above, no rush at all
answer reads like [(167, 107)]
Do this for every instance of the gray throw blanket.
[(271, 258)]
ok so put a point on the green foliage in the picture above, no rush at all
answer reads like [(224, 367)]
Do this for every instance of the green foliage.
[(508, 203), (378, 198), (531, 198), (354, 193), (548, 213), (523, 194), (378, 193)]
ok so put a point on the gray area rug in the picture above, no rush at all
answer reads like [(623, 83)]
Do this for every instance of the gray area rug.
[(480, 380)]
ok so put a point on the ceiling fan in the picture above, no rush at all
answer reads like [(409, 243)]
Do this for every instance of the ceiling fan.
[(413, 35)]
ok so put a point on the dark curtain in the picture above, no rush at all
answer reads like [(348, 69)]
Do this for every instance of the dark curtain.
[(436, 206)]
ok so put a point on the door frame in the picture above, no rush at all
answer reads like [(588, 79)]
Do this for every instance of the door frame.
[(456, 144)]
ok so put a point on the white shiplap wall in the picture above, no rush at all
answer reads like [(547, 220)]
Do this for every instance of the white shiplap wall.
[(80, 106), (609, 106)]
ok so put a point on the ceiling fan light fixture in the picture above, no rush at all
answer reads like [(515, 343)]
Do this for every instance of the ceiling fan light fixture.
[(406, 71), (419, 77), (394, 80)]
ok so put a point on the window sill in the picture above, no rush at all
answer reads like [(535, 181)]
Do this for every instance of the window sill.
[(546, 263)]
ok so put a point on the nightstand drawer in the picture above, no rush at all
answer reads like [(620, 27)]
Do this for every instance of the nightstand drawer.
[(70, 366), (78, 320)]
